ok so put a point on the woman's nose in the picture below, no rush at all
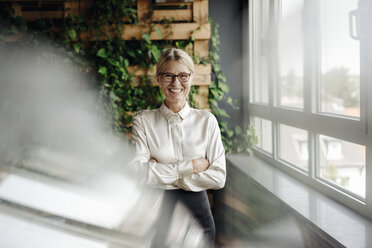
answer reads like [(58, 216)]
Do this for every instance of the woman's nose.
[(175, 80)]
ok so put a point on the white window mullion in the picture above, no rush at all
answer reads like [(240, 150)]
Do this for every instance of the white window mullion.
[(275, 11), (365, 12), (308, 57), (276, 139), (310, 79), (273, 53), (313, 154), (368, 179)]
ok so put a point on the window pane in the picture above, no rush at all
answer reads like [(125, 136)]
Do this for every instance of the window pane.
[(293, 146), (264, 133), (343, 163), (259, 86), (340, 59), (291, 54)]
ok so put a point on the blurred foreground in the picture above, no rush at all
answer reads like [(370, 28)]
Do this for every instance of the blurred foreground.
[(65, 180)]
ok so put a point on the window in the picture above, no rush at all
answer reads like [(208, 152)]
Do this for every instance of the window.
[(293, 146), (343, 163), (259, 86), (290, 54), (263, 131), (308, 78), (339, 71)]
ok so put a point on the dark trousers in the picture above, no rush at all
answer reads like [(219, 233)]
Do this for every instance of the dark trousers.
[(198, 205)]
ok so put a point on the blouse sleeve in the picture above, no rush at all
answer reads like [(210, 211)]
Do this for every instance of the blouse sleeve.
[(153, 173), (215, 176)]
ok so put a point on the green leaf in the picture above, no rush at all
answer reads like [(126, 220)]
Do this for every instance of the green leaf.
[(77, 47), (238, 130), (114, 97), (126, 62), (155, 52), (146, 37), (230, 133), (102, 70), (102, 53), (158, 32), (222, 112), (114, 75), (72, 34), (114, 62), (224, 87), (131, 53)]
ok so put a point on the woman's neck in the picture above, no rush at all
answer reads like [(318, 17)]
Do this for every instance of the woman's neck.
[(175, 107)]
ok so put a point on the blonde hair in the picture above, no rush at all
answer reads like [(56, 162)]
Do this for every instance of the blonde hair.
[(177, 55)]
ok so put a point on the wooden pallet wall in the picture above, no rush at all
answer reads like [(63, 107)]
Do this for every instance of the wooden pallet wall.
[(187, 19)]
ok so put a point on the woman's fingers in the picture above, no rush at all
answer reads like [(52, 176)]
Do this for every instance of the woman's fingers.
[(153, 160), (200, 165)]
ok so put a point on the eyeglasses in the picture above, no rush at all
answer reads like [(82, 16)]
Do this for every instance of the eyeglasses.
[(182, 77)]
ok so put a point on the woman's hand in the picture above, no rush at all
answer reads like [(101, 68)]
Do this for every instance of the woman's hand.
[(200, 165)]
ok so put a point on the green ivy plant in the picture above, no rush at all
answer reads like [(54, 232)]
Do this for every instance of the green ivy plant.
[(239, 138), (105, 63)]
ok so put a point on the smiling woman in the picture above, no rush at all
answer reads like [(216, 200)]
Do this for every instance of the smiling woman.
[(174, 75), (179, 148), (175, 84)]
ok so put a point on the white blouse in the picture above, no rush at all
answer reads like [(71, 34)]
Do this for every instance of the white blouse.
[(174, 140)]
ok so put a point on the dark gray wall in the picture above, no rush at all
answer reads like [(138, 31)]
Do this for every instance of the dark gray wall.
[(228, 14)]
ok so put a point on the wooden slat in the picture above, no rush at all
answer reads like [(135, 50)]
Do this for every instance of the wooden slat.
[(18, 1), (200, 11), (203, 69), (201, 48), (144, 8), (199, 70), (201, 97), (71, 8), (17, 9), (33, 15), (188, 5), (175, 31), (200, 79), (174, 15), (85, 6)]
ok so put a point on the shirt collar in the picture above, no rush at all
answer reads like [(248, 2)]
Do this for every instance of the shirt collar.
[(167, 113)]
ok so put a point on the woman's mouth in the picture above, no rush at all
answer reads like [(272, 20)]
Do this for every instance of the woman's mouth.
[(175, 90)]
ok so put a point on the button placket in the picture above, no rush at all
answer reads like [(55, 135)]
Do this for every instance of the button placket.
[(176, 130), (180, 136)]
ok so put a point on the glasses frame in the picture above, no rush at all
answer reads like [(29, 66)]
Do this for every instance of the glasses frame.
[(177, 76)]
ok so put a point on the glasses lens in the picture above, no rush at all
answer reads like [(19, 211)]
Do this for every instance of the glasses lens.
[(183, 77), (167, 77)]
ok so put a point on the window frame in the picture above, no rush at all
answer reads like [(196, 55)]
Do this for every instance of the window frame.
[(359, 130)]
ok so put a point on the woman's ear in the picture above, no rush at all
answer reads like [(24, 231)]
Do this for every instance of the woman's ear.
[(158, 79), (192, 78)]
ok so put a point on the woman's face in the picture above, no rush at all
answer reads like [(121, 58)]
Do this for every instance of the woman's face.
[(174, 90)]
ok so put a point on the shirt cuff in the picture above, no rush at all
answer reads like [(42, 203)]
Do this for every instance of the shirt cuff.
[(185, 168)]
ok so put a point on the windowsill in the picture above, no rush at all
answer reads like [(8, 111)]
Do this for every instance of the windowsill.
[(342, 224)]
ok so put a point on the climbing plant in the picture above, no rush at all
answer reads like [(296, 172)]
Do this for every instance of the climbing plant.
[(239, 138), (105, 62)]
